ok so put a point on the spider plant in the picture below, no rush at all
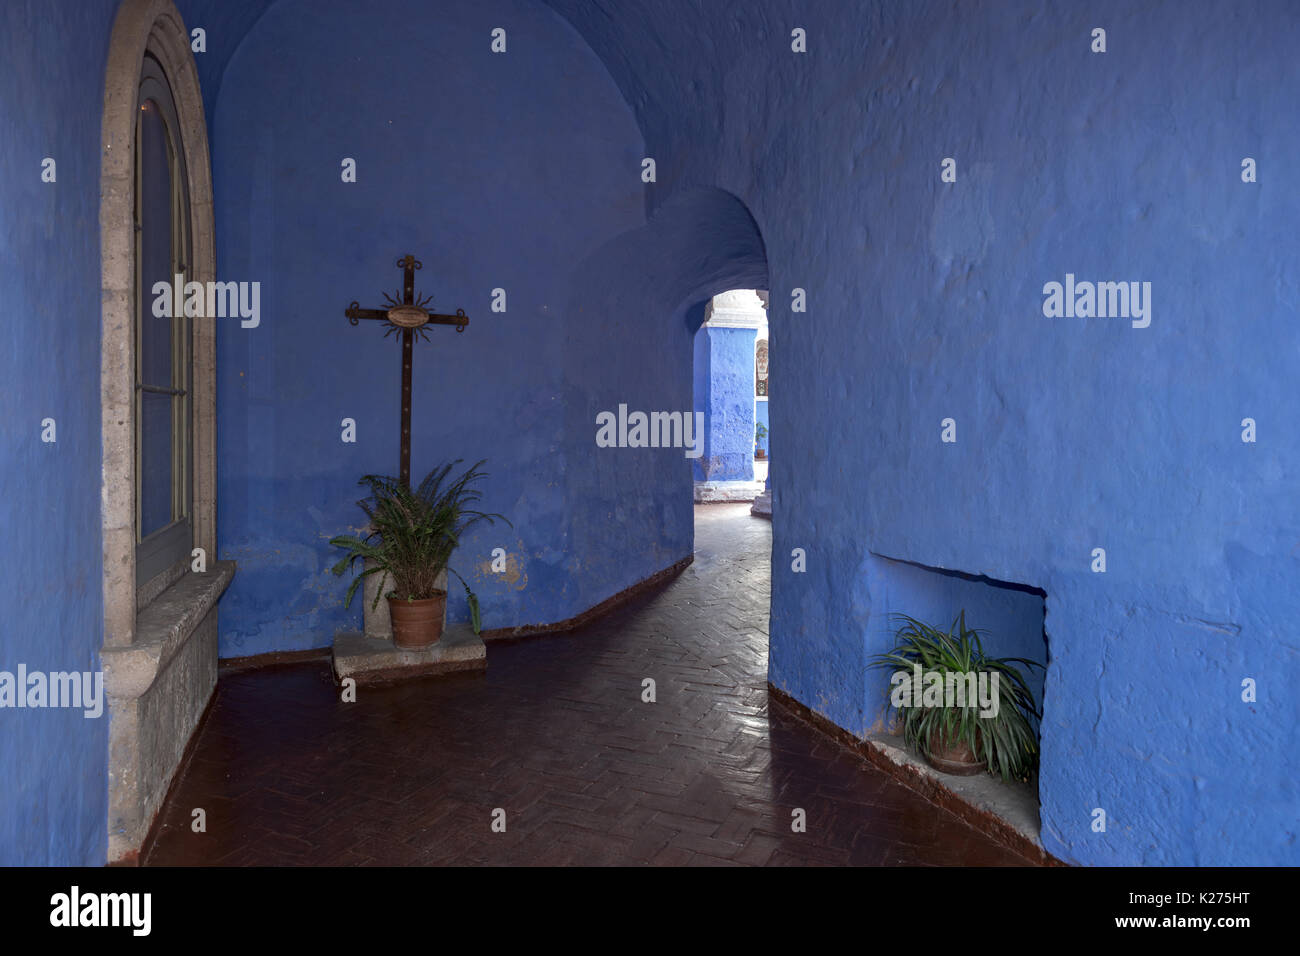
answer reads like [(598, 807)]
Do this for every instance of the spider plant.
[(413, 533), (1006, 741)]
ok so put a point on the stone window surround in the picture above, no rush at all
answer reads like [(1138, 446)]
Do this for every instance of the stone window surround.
[(157, 647)]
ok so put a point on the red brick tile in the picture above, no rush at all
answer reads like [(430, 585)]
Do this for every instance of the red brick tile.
[(555, 734)]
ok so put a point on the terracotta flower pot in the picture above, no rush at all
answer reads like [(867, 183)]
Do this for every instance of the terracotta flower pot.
[(417, 624), (954, 757)]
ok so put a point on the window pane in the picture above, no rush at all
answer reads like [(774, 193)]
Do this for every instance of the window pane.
[(155, 358), (155, 462), (162, 342)]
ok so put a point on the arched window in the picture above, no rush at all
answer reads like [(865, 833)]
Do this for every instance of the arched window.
[(158, 414), (163, 433)]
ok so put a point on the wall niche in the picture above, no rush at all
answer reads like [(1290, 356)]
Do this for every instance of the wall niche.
[(1010, 616)]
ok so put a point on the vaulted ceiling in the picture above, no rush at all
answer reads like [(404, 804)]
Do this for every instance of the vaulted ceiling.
[(661, 53)]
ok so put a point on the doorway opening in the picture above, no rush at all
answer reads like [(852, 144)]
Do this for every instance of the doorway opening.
[(730, 383)]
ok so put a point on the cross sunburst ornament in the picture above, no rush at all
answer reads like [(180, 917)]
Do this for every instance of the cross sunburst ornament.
[(409, 317), (407, 312)]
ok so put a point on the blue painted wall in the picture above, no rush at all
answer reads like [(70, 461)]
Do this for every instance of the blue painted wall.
[(518, 171), (817, 171), (53, 763), (727, 358), (224, 23), (925, 302)]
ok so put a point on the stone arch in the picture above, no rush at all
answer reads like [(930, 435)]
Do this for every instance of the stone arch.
[(715, 242), (642, 294), (699, 242)]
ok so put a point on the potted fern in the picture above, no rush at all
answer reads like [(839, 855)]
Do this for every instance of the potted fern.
[(412, 535), (964, 711), (760, 433)]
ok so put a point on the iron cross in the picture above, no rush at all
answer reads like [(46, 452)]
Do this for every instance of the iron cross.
[(409, 317)]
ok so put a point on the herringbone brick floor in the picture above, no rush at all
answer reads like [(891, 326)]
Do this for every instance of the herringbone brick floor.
[(556, 735)]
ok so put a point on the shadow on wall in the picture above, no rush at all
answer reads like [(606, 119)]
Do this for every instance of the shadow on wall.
[(699, 243)]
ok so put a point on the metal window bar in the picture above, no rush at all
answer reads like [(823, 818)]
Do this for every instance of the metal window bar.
[(160, 389)]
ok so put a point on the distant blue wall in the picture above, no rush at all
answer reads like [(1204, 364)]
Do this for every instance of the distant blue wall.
[(724, 360), (53, 762), (518, 171), (924, 301)]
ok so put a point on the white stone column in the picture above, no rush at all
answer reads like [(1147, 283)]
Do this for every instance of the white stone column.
[(737, 309)]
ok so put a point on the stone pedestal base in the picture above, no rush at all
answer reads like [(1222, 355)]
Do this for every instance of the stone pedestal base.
[(369, 659), (762, 505), (707, 491)]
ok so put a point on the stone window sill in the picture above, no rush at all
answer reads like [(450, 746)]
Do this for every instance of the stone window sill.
[(162, 629)]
